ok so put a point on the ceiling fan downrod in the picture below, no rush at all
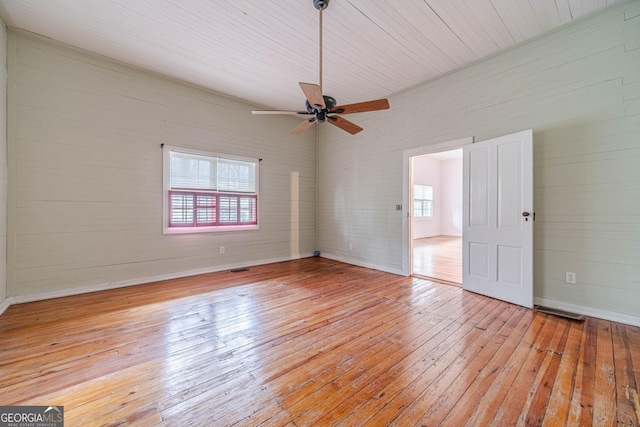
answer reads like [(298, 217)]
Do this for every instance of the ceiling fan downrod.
[(320, 5)]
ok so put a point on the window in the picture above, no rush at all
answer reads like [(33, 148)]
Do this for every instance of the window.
[(422, 201), (209, 192)]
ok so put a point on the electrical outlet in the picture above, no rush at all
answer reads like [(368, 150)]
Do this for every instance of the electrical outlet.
[(350, 246), (570, 277), (221, 249)]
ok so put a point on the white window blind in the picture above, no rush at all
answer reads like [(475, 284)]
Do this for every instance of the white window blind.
[(236, 175), (422, 192), (199, 172), (193, 171)]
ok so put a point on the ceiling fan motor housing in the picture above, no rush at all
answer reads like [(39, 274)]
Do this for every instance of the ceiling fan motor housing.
[(329, 103), (321, 4)]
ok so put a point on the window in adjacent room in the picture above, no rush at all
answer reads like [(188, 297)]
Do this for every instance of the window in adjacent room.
[(422, 201), (206, 191)]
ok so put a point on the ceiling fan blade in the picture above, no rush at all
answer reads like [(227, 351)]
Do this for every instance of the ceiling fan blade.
[(299, 113), (303, 126), (344, 124), (361, 107), (313, 94)]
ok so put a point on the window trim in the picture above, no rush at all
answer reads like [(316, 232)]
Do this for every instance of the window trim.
[(166, 189)]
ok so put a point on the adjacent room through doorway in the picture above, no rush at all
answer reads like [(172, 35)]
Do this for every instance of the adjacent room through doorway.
[(437, 216)]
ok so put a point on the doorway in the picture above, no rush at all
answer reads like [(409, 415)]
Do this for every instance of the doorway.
[(436, 215), (497, 203)]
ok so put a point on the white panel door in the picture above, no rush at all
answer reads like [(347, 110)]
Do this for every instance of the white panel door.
[(497, 258)]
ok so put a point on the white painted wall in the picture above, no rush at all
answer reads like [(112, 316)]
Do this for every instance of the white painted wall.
[(3, 166), (85, 174), (426, 171), (579, 89), (451, 197)]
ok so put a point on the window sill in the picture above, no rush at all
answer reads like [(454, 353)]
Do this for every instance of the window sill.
[(192, 230)]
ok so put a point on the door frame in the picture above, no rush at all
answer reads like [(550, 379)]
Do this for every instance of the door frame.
[(407, 174)]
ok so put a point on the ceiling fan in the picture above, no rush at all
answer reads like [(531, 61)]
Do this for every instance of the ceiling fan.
[(320, 108)]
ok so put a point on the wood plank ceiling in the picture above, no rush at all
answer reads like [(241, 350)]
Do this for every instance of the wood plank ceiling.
[(258, 51)]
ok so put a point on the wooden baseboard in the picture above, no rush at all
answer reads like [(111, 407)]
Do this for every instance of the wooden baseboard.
[(19, 299), (587, 311), (590, 311), (362, 264), (5, 304)]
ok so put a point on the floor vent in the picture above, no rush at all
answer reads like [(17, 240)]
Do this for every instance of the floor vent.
[(239, 270), (560, 313)]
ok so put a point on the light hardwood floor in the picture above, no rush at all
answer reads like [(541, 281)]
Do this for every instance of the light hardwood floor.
[(438, 257), (314, 342)]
